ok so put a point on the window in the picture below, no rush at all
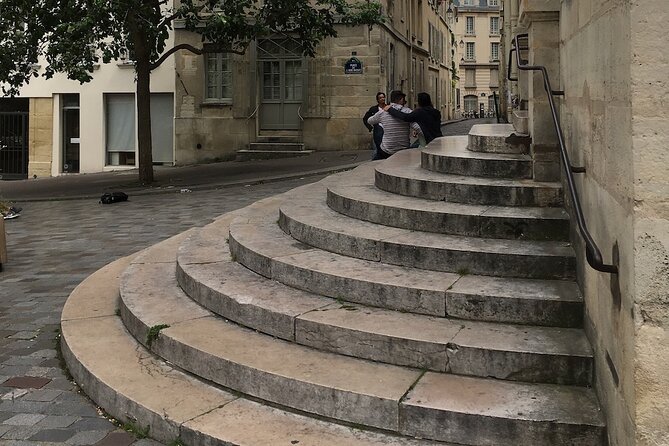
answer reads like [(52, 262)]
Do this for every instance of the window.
[(471, 103), (494, 78), (219, 77), (469, 26), (494, 25), (120, 129), (493, 2), (491, 105), (470, 78), (494, 51), (468, 3), (470, 54), (435, 41)]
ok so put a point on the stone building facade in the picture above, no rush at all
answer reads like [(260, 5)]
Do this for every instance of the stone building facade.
[(608, 58), (272, 94), (477, 28), (208, 107)]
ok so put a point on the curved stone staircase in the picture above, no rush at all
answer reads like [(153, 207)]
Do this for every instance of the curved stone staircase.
[(425, 299)]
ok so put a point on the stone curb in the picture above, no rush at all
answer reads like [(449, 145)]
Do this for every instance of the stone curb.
[(200, 187)]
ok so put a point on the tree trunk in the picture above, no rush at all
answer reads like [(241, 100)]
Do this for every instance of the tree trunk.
[(143, 99), (145, 146)]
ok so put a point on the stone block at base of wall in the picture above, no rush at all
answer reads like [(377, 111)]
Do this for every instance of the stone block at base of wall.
[(3, 244)]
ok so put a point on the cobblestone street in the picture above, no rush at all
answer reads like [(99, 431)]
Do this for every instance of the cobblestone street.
[(53, 247)]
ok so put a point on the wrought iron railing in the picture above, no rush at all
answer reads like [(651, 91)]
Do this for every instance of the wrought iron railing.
[(592, 252)]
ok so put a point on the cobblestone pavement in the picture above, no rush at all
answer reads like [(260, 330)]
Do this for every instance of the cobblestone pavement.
[(53, 247)]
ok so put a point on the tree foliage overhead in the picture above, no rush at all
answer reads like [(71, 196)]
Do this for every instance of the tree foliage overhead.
[(74, 35)]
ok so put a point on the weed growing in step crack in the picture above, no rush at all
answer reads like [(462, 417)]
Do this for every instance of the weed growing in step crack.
[(153, 333)]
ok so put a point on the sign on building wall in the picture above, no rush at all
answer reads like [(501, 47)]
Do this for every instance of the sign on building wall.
[(353, 66)]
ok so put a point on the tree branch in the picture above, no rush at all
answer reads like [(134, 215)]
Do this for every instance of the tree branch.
[(199, 51)]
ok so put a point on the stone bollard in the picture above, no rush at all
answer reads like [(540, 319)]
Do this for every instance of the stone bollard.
[(3, 244)]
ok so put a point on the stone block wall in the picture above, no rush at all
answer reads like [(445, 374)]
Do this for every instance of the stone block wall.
[(40, 137), (650, 142), (613, 69)]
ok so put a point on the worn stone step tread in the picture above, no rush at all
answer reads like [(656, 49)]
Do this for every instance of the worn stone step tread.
[(492, 130), (338, 387), (359, 188), (267, 250), (406, 165), (456, 147), (311, 221), (498, 138), (135, 386), (378, 334), (204, 362), (574, 415), (255, 364), (451, 155), (312, 210)]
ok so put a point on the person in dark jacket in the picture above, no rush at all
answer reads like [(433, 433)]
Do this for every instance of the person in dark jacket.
[(377, 130), (425, 115)]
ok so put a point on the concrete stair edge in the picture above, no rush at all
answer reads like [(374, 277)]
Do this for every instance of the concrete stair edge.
[(450, 155), (402, 174), (378, 334), (587, 421), (274, 254), (496, 138), (211, 415), (310, 221), (359, 198)]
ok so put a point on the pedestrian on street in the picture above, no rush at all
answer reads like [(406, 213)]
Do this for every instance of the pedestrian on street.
[(395, 131), (426, 116), (377, 130)]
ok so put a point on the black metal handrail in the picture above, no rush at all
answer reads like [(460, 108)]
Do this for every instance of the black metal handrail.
[(592, 252)]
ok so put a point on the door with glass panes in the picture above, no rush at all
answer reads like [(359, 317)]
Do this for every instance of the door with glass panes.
[(281, 84)]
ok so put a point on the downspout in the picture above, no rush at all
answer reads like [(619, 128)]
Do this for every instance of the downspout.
[(411, 40)]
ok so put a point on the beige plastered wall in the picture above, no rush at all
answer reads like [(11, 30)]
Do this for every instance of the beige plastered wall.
[(111, 78), (40, 137), (614, 73)]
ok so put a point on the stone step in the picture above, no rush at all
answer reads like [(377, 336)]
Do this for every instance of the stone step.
[(133, 385), (308, 219), (355, 390), (401, 174), (520, 121), (524, 353), (264, 248), (497, 138), (450, 155), (276, 146), (247, 155), (357, 197)]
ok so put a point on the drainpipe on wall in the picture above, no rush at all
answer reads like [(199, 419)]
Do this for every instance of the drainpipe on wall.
[(411, 40)]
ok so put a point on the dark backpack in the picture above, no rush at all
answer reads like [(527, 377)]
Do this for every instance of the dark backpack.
[(113, 197)]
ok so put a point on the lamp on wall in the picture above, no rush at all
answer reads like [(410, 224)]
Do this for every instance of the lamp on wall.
[(449, 12)]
